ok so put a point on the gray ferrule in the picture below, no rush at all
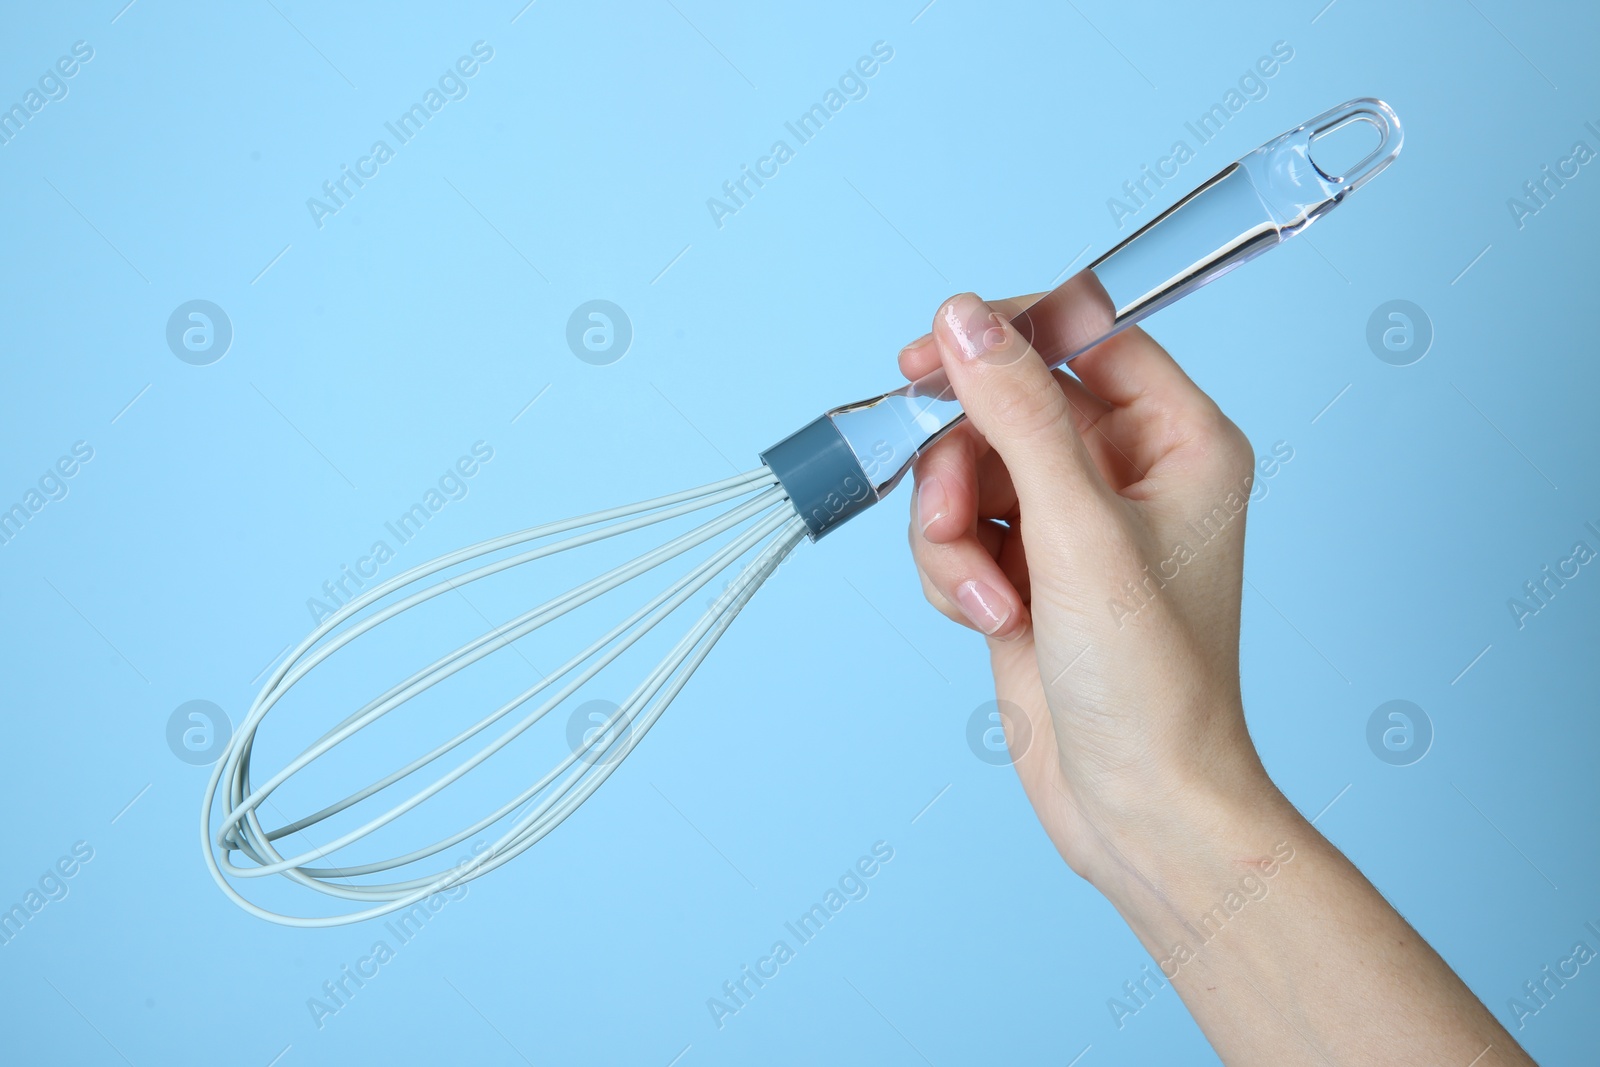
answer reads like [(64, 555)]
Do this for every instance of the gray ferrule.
[(821, 474)]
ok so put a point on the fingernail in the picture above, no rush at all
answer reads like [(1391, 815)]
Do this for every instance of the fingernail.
[(982, 605), (974, 326), (918, 343), (933, 503)]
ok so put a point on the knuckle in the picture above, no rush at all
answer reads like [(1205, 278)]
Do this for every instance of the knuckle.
[(1237, 442), (1024, 405), (1241, 456), (1227, 445)]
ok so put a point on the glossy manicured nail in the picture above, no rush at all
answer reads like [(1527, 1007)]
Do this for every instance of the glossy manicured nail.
[(982, 605), (976, 328), (933, 503)]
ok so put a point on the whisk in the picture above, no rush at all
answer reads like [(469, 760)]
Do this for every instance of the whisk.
[(808, 484)]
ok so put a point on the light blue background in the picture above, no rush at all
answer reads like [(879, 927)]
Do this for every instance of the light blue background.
[(376, 349)]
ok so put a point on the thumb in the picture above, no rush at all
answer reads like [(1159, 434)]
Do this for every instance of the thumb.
[(1015, 402)]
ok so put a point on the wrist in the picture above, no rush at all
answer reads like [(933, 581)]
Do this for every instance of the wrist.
[(1190, 838)]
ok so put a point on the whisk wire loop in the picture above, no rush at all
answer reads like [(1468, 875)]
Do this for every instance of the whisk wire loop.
[(766, 525)]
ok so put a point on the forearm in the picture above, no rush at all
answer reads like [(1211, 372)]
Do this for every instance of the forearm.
[(1282, 950)]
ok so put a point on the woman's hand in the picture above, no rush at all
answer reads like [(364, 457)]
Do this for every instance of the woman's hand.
[(1093, 528)]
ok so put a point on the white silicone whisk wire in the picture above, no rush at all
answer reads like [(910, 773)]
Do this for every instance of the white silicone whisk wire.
[(762, 524)]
